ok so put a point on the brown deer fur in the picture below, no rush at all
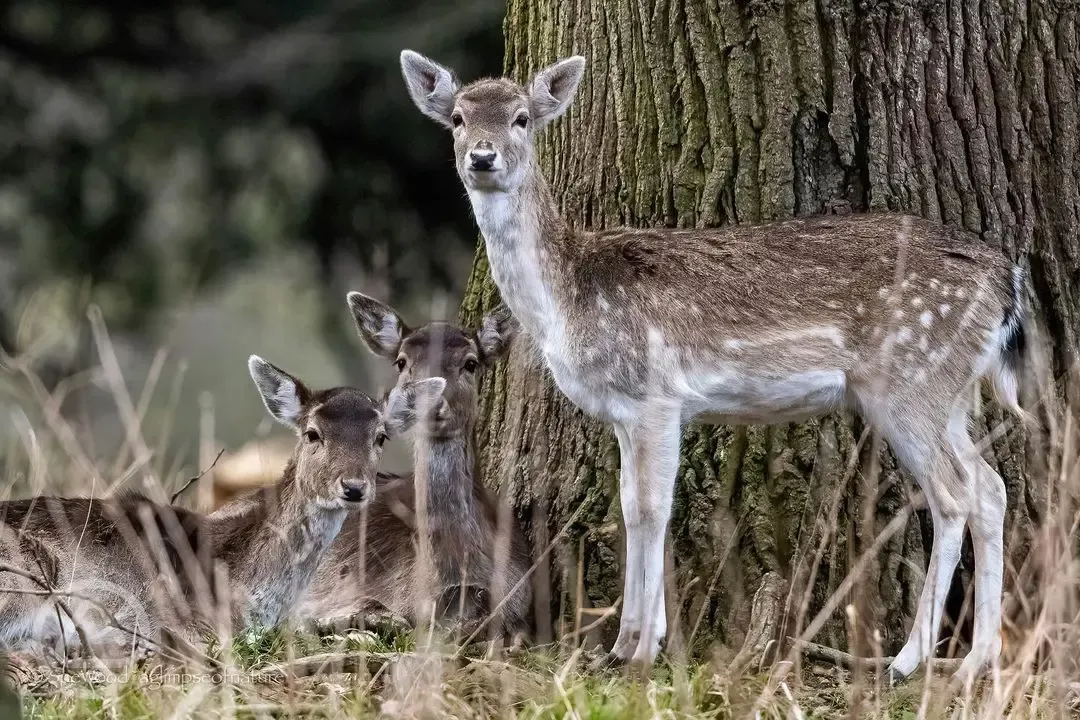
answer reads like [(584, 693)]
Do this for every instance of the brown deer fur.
[(152, 567), (648, 329), (464, 517)]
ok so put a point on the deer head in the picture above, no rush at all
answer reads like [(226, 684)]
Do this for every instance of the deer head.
[(437, 350), (341, 431), (494, 121)]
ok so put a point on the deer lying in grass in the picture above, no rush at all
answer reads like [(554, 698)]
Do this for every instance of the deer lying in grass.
[(651, 328), (463, 515), (126, 564)]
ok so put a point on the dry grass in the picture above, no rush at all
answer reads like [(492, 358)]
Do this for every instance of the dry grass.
[(393, 673)]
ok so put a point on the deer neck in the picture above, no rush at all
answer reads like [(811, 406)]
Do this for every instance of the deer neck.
[(281, 541), (449, 466), (528, 250)]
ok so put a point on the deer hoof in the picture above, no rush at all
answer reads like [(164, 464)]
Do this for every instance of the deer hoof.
[(606, 661), (894, 676)]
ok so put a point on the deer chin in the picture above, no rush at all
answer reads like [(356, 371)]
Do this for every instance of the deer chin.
[(496, 180)]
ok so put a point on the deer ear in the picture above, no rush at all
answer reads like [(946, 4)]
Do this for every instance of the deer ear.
[(284, 395), (411, 401), (496, 333), (552, 89), (379, 326), (431, 86)]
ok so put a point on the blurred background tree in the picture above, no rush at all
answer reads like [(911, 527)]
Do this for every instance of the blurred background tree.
[(158, 159)]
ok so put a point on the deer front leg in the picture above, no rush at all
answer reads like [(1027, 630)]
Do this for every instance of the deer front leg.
[(652, 444)]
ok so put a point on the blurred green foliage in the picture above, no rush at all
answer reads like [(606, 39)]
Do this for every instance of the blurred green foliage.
[(147, 151)]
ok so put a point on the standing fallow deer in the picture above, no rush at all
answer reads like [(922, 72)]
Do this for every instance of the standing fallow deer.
[(371, 564), (649, 329), (125, 565)]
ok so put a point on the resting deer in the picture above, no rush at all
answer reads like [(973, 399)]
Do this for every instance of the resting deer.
[(463, 515), (651, 328), (151, 567)]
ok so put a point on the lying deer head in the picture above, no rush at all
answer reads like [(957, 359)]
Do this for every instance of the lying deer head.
[(341, 430), (493, 120), (436, 350)]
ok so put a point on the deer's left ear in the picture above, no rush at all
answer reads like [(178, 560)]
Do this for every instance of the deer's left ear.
[(553, 88), (406, 404), (497, 331)]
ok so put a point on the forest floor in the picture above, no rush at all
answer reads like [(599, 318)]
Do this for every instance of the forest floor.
[(368, 674)]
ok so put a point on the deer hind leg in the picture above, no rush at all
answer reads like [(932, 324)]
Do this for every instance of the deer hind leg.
[(630, 619), (987, 526), (917, 436)]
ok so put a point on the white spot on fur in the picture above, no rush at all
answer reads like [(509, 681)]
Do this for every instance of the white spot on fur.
[(924, 343), (734, 344), (883, 293), (926, 319), (602, 304), (916, 302), (944, 310), (832, 305), (860, 309), (903, 335), (899, 314)]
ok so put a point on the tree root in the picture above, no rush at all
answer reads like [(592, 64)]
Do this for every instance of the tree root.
[(765, 611)]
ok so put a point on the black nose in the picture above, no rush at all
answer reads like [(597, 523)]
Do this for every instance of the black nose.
[(354, 491), (482, 159)]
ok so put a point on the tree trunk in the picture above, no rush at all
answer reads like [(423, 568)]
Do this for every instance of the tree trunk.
[(704, 113)]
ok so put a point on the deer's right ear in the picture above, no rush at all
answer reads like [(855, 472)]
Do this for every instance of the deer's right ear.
[(284, 395), (431, 86), (411, 401), (379, 326)]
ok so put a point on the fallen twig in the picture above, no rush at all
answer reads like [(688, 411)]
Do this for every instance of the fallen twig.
[(197, 478), (326, 664), (816, 651)]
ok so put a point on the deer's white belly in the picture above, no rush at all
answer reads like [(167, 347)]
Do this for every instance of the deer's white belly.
[(746, 399), (722, 394)]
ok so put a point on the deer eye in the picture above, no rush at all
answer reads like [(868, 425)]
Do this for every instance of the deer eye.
[(399, 364), (380, 439), (471, 365), (522, 120), (312, 436), (456, 119)]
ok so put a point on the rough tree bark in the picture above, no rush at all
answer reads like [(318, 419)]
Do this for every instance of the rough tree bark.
[(699, 113)]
